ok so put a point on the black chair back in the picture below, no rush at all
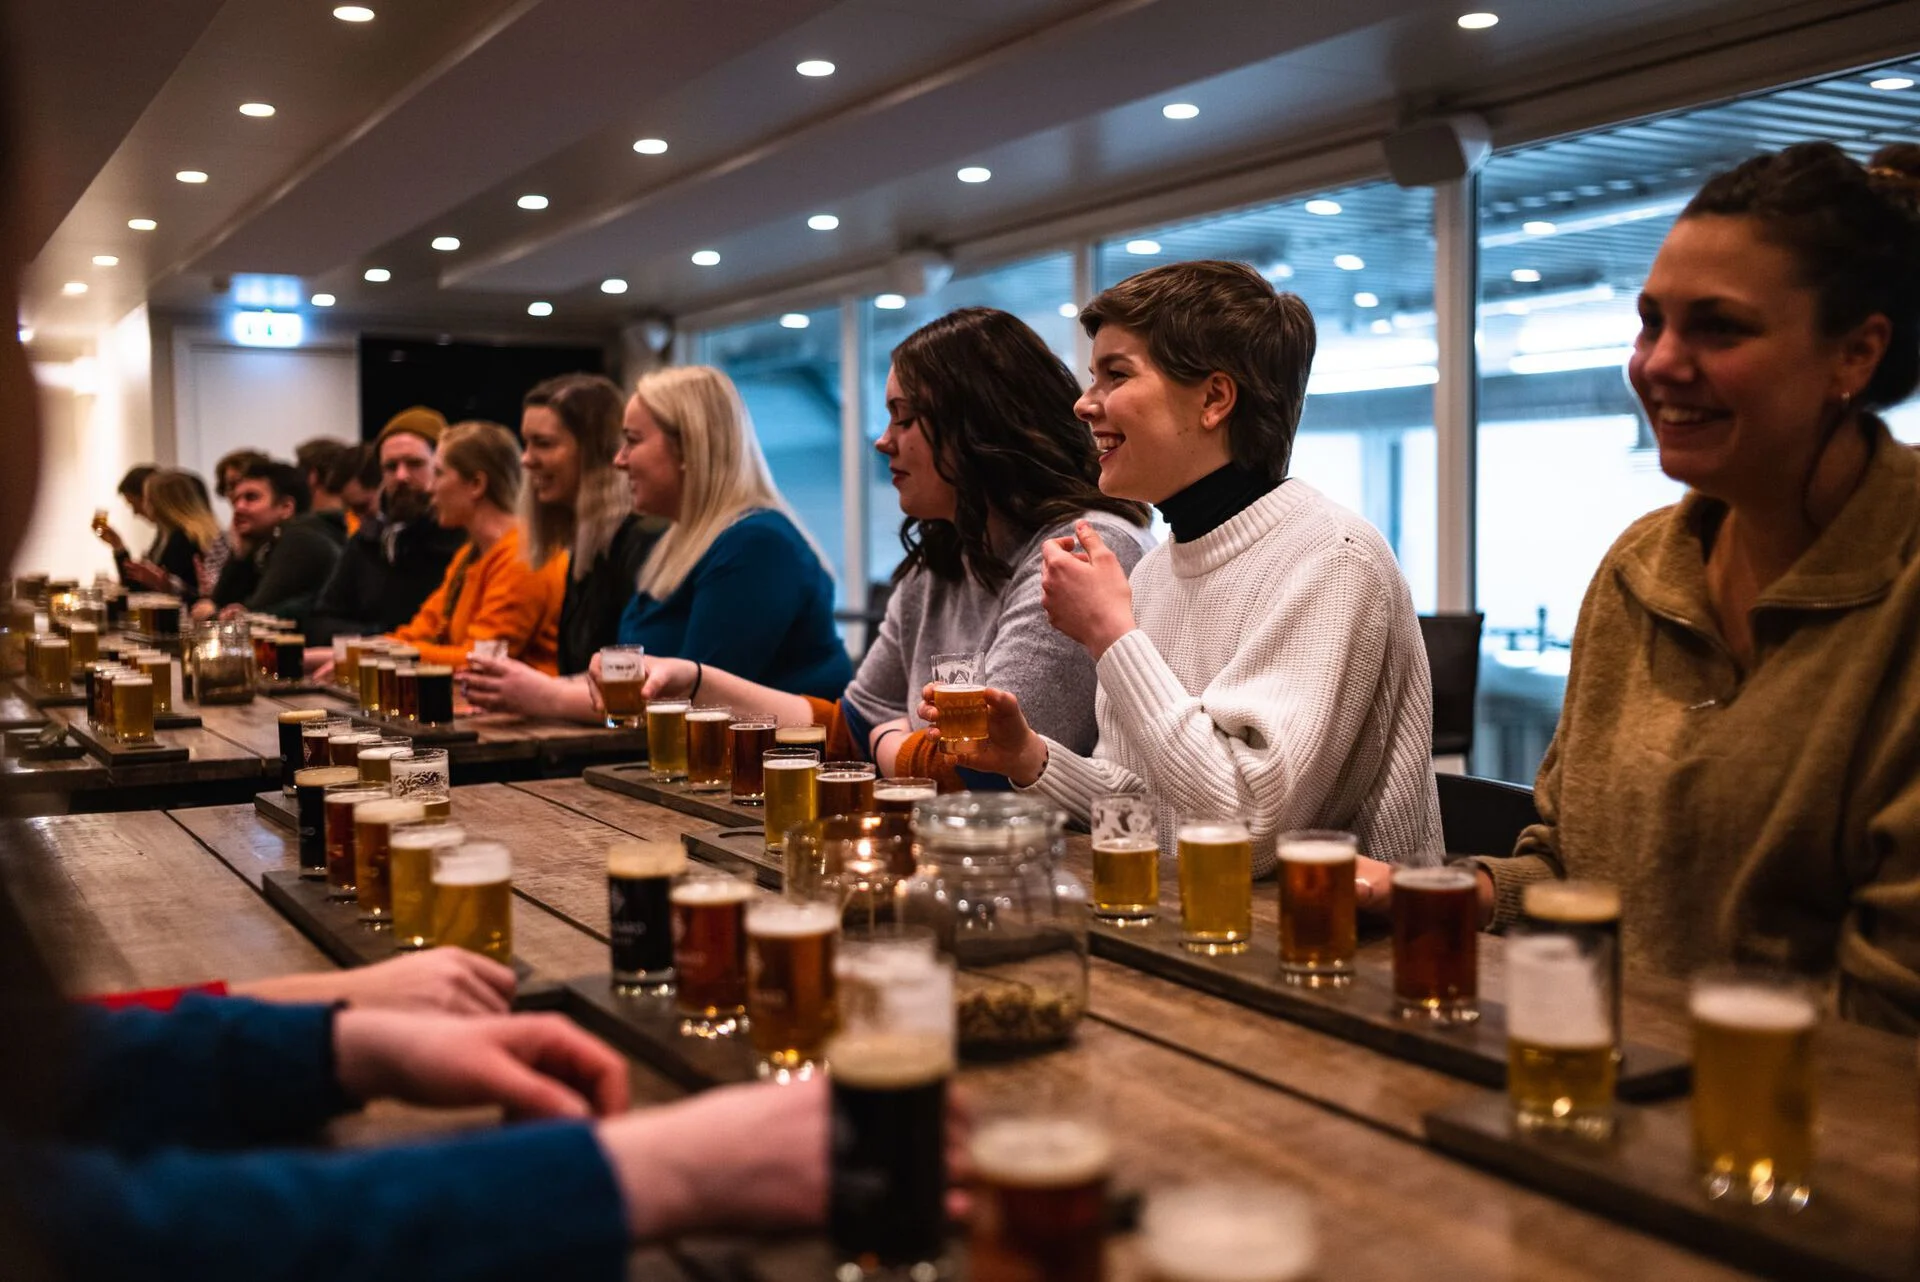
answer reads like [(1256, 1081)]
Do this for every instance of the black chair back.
[(1453, 655), (1482, 816)]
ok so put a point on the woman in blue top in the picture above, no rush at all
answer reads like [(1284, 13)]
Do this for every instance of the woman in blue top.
[(734, 582)]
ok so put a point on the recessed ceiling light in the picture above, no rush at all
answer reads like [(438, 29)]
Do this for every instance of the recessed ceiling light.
[(1324, 208), (353, 13), (794, 320), (1349, 262), (446, 244), (1890, 83), (1366, 299), (106, 260), (1478, 21), (974, 174), (613, 285), (190, 176), (259, 109), (1538, 227), (706, 258), (1526, 275), (650, 146), (74, 288), (823, 222), (376, 274), (532, 202), (323, 300), (539, 309), (815, 67), (1143, 247), (1382, 326), (1179, 111), (1278, 271), (889, 302), (1069, 310), (142, 224)]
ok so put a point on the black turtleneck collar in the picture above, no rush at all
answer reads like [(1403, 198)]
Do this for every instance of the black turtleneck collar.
[(1213, 500)]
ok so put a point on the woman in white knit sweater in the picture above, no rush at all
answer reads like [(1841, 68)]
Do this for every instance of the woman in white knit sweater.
[(1266, 662)]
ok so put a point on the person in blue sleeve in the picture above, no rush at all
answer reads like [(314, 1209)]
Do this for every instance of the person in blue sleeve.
[(734, 583)]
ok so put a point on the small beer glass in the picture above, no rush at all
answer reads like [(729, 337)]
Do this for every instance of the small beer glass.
[(667, 739), (639, 905), (1436, 953), (790, 796), (623, 674), (960, 695), (1317, 920), (791, 1006), (709, 749), (710, 952), (1753, 1086), (1126, 859), (473, 899), (1215, 855), (411, 851), (1560, 1049), (421, 775)]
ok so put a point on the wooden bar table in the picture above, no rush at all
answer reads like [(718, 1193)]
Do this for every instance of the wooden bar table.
[(216, 768)]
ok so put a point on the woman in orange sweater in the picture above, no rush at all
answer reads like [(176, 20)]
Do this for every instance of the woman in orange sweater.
[(490, 592)]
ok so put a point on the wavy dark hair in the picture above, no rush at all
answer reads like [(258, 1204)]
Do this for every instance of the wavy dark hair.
[(996, 407)]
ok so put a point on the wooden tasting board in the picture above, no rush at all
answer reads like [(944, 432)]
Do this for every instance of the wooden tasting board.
[(1856, 1228), (334, 925), (648, 1029), (737, 850), (42, 695), (634, 779), (116, 755), (277, 809), (425, 736)]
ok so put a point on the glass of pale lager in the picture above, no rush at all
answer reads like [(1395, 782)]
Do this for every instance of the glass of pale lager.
[(473, 899), (1436, 943), (1753, 1086), (1040, 1197), (623, 674), (1590, 912), (1126, 859), (1215, 854), (1228, 1233), (791, 1003), (133, 708), (1560, 1048), (709, 749), (667, 739), (710, 951), (960, 694), (1317, 923), (790, 794), (410, 854)]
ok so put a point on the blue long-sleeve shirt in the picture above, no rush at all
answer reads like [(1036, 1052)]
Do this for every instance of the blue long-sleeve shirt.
[(759, 604), (143, 1179)]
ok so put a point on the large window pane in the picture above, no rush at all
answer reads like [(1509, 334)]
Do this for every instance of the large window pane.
[(1038, 291), (1363, 261), (1569, 231), (788, 371)]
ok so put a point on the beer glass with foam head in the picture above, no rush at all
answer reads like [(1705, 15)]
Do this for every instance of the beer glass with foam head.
[(161, 668), (1126, 858), (960, 695), (900, 794), (343, 747), (623, 674), (1753, 1086), (337, 803), (375, 760), (1215, 854), (1317, 921), (844, 788), (667, 739), (892, 1057), (1560, 1047), (1228, 1233), (421, 775), (710, 951), (133, 708), (790, 799), (473, 899), (410, 854), (750, 737), (807, 736), (373, 825), (709, 749), (791, 1008), (315, 735), (1589, 911), (639, 905), (309, 789), (292, 751), (433, 694), (1436, 951), (1040, 1197)]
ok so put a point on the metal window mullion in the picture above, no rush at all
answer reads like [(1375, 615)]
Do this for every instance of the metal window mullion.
[(1456, 288)]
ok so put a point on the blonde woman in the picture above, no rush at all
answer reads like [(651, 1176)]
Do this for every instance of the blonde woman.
[(490, 591), (177, 505), (733, 582)]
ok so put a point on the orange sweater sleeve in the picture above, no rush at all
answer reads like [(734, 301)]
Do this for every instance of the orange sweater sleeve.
[(919, 755), (504, 598)]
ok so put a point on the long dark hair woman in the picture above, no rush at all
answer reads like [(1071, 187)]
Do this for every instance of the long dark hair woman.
[(989, 463)]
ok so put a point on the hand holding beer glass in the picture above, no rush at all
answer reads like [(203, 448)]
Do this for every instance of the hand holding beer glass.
[(623, 674), (1126, 859), (960, 693)]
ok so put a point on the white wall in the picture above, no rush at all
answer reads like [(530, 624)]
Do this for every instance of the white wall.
[(228, 397)]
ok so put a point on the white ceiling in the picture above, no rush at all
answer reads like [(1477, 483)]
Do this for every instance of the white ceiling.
[(434, 117)]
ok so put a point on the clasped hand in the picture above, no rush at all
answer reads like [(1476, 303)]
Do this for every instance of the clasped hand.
[(1084, 590)]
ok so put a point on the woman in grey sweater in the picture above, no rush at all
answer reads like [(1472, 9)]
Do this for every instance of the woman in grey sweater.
[(989, 463)]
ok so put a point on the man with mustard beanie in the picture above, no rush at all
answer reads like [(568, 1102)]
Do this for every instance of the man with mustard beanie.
[(392, 563)]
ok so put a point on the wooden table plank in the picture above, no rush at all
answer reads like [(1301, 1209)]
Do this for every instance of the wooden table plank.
[(638, 818), (17, 712)]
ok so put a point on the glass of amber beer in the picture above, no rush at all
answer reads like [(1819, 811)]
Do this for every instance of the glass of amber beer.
[(845, 788), (473, 899), (667, 739), (1215, 854), (1317, 924), (337, 803), (709, 749), (133, 708), (750, 736), (1126, 858), (1560, 1047), (1753, 1086), (900, 794), (710, 952), (789, 774), (960, 695), (623, 674), (1436, 953), (1040, 1197), (373, 825), (791, 1009)]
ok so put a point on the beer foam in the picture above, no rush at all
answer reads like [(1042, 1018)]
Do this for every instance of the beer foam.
[(847, 776), (1317, 852), (1585, 902), (1126, 845), (786, 919), (710, 714), (1041, 1152), (903, 792), (712, 890), (791, 763), (1213, 833), (434, 670), (1753, 1006), (1204, 1233), (1445, 877), (383, 752), (426, 836), (321, 776), (801, 735), (646, 859), (960, 687), (388, 811), (358, 796), (299, 715), (668, 706), (478, 863), (1556, 996), (875, 1061)]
